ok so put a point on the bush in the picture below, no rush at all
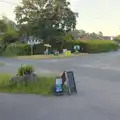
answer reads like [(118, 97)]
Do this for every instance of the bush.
[(39, 49), (117, 40), (17, 49), (70, 45), (23, 70), (92, 46), (10, 37), (96, 46)]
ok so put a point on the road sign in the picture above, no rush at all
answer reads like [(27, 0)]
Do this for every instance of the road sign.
[(69, 80), (59, 85), (76, 47)]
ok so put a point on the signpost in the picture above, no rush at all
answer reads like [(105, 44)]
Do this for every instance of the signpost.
[(32, 42), (76, 48), (68, 78), (59, 88), (71, 82)]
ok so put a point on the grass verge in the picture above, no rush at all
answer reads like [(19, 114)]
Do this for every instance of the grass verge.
[(1, 64), (38, 57), (43, 86)]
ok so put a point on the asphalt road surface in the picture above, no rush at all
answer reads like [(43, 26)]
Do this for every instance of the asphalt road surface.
[(98, 83)]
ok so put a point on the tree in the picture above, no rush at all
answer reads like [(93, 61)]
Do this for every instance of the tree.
[(10, 37), (75, 34), (94, 36), (100, 34), (10, 33), (46, 18), (3, 26), (117, 39), (11, 25)]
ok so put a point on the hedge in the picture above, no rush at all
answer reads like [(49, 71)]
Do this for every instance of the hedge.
[(96, 46), (93, 46), (39, 49), (90, 46)]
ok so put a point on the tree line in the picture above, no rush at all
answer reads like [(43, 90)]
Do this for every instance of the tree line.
[(49, 20)]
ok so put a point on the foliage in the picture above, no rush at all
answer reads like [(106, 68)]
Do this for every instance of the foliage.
[(10, 24), (58, 42), (90, 46), (10, 37), (9, 34), (39, 49), (83, 35), (100, 34), (17, 50), (117, 39), (23, 70), (42, 86), (93, 46), (3, 26), (45, 19)]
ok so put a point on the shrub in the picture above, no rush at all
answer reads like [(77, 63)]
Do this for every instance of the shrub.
[(23, 70), (10, 37), (96, 46), (117, 40), (92, 46), (17, 49), (39, 49)]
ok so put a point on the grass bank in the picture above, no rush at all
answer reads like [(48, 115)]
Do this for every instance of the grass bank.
[(42, 86)]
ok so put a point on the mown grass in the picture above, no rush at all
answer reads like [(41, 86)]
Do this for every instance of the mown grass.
[(42, 86), (38, 57)]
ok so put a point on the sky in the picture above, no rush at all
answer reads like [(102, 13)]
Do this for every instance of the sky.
[(94, 15)]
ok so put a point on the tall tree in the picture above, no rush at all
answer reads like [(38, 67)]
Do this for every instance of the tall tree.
[(3, 26), (8, 27), (46, 18), (100, 34)]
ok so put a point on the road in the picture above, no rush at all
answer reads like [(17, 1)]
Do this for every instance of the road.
[(98, 83)]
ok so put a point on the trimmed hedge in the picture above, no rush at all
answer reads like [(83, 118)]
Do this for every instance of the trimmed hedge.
[(96, 46), (90, 46), (93, 46)]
